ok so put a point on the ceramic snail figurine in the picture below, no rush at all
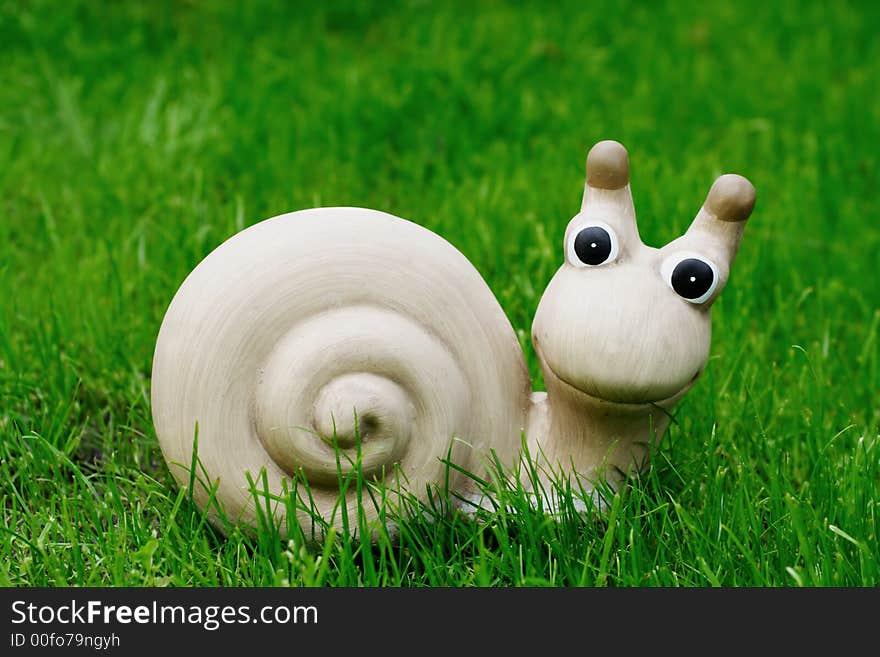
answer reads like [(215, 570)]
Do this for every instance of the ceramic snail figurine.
[(318, 337)]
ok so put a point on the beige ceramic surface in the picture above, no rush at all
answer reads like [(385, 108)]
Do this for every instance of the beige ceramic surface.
[(293, 328)]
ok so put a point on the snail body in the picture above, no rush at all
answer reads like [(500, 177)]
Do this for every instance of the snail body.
[(330, 339)]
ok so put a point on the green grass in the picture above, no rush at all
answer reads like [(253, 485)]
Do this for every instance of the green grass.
[(134, 138)]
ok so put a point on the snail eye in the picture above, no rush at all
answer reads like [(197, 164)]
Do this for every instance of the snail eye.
[(593, 245), (693, 279)]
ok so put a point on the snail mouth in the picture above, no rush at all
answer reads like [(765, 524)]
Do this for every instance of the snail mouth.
[(637, 404)]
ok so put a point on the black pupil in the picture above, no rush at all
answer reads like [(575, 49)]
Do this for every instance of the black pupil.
[(593, 245), (692, 278)]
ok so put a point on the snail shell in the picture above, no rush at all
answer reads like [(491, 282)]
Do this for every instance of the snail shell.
[(323, 337)]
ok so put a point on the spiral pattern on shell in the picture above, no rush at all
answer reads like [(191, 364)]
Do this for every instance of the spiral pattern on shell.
[(323, 338)]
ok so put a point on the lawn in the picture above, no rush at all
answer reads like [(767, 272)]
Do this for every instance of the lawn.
[(134, 138)]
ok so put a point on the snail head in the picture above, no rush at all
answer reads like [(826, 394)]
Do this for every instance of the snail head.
[(628, 323)]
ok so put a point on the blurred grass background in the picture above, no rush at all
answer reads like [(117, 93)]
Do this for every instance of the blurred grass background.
[(135, 137)]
